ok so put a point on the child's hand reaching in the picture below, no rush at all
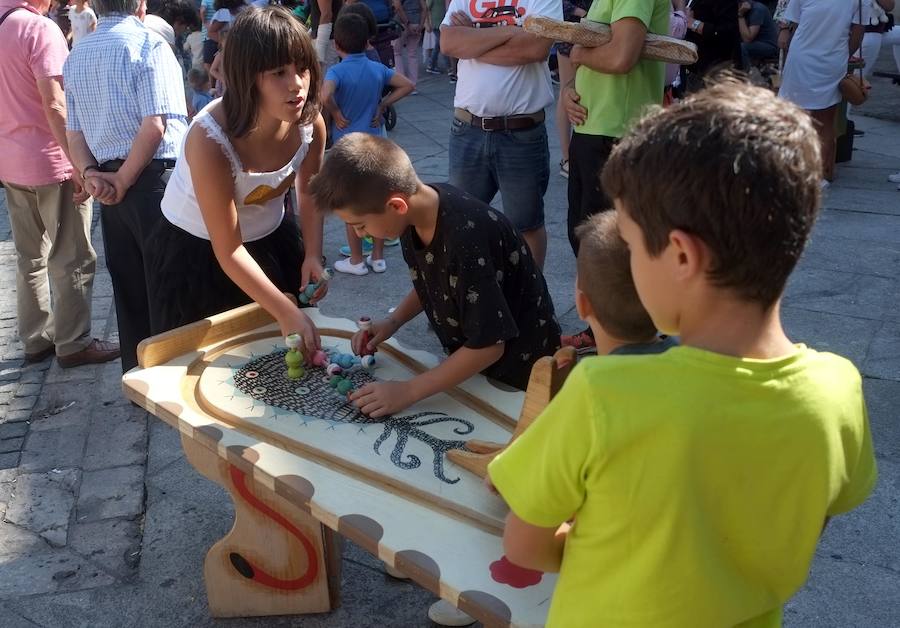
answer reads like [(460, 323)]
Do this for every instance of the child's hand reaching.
[(312, 271), (296, 322), (378, 333), (381, 399)]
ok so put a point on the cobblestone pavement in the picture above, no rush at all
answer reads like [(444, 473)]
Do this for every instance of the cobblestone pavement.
[(103, 522)]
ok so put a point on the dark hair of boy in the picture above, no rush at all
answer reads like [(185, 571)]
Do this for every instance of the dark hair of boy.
[(361, 172), (734, 166), (173, 11), (197, 78), (231, 5), (351, 33), (604, 276), (362, 9), (261, 40)]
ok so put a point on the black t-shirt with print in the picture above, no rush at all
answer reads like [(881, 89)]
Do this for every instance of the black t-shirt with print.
[(480, 286)]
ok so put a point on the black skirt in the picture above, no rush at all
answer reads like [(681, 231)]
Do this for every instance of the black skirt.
[(187, 284)]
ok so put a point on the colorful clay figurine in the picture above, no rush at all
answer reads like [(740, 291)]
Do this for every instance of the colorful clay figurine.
[(294, 357), (319, 358), (365, 326), (306, 296)]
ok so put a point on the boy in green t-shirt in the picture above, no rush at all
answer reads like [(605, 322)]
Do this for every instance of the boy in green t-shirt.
[(613, 85), (697, 481)]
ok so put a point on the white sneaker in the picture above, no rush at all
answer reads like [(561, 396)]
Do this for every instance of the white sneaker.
[(894, 178), (443, 613), (346, 266), (378, 265)]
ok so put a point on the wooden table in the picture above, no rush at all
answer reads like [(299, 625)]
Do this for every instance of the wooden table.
[(300, 481)]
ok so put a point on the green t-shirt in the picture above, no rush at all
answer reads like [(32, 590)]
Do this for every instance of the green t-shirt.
[(699, 483), (614, 101)]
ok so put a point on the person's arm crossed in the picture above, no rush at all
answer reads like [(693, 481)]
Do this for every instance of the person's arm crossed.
[(511, 46), (618, 56), (459, 38)]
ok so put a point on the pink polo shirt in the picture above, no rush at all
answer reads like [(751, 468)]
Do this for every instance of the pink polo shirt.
[(31, 47)]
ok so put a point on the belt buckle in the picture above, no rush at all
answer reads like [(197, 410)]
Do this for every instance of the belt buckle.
[(483, 127)]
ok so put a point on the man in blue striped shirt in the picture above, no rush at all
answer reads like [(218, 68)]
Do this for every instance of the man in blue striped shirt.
[(127, 117)]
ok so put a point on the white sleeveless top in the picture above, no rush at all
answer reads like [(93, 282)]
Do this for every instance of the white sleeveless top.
[(258, 196)]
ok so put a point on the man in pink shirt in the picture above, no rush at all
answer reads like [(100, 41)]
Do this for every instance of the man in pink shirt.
[(43, 194)]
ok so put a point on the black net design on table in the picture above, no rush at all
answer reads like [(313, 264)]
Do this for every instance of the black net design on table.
[(265, 379)]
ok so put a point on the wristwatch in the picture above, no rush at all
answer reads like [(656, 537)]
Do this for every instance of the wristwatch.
[(695, 25)]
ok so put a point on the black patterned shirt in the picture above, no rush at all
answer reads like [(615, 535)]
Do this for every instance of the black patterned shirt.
[(480, 286)]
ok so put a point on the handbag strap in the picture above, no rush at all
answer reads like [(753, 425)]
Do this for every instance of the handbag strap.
[(861, 67), (6, 15)]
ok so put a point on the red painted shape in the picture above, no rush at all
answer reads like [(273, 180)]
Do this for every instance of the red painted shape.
[(505, 572), (238, 479)]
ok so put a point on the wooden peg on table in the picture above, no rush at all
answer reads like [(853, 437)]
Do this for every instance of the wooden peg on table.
[(547, 377)]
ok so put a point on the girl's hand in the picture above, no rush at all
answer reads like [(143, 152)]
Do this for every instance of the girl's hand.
[(378, 333), (312, 271), (296, 322)]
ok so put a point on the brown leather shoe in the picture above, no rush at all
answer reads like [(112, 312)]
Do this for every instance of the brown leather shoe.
[(95, 353), (40, 356)]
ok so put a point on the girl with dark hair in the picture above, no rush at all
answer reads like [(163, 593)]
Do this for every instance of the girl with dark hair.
[(227, 239)]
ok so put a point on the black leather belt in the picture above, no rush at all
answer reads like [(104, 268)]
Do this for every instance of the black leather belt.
[(518, 122), (114, 164)]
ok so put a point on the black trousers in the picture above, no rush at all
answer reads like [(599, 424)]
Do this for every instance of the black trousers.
[(587, 156), (127, 230)]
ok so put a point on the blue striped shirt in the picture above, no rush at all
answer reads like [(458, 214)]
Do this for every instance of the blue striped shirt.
[(117, 76)]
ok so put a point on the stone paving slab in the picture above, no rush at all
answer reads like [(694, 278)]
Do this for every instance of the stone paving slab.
[(42, 503), (108, 493)]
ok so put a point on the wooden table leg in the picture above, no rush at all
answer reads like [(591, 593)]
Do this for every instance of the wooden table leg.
[(276, 560)]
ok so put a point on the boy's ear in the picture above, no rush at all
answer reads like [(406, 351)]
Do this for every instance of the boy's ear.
[(397, 204), (690, 253), (583, 305)]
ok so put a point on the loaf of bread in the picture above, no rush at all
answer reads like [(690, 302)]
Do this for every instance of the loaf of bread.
[(592, 34)]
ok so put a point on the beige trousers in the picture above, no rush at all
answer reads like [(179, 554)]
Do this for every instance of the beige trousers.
[(53, 245)]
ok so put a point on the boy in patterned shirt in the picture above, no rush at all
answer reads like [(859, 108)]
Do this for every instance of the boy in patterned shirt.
[(473, 275)]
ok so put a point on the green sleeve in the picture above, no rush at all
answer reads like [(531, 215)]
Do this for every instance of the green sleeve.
[(640, 9), (862, 472), (541, 475)]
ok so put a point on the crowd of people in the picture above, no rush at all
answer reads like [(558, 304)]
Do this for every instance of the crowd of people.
[(207, 154)]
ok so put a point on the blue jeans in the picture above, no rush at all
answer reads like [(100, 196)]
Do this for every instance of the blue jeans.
[(434, 61), (515, 163)]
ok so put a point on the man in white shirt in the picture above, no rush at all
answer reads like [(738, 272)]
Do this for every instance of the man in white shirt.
[(498, 141)]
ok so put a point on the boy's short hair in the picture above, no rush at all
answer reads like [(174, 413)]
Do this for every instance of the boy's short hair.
[(604, 276), (733, 165), (197, 78), (360, 174), (362, 9), (351, 33)]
